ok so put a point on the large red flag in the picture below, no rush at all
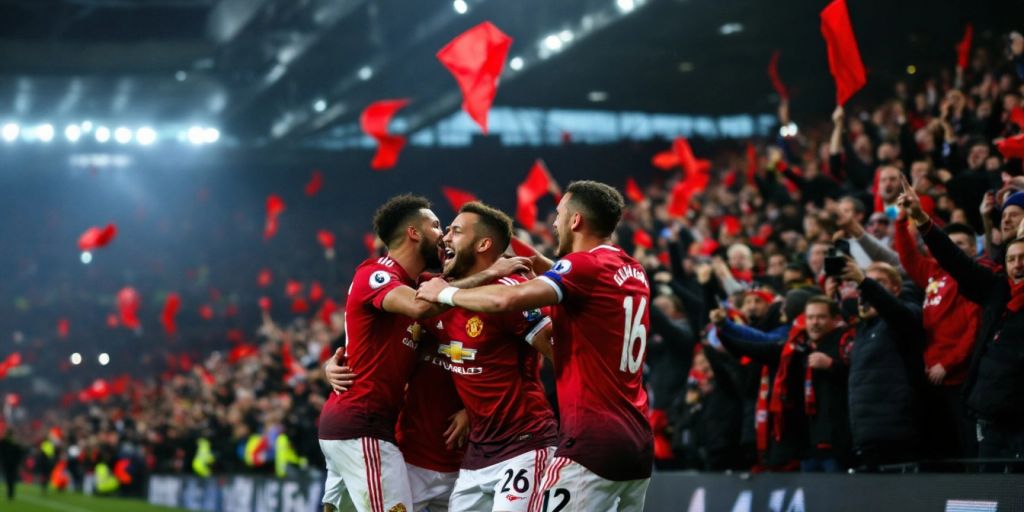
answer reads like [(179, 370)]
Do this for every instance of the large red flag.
[(457, 197), (843, 55), (374, 121), (475, 58), (316, 182), (538, 183)]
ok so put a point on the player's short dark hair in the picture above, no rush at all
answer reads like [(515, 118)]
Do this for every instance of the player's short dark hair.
[(833, 306), (961, 228), (600, 204), (394, 215), (495, 222)]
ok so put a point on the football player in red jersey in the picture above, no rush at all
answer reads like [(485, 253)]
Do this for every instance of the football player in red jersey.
[(599, 297), (365, 468), (496, 373)]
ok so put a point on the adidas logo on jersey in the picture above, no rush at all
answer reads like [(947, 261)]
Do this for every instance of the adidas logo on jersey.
[(440, 325)]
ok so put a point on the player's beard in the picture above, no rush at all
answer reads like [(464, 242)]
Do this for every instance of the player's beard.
[(461, 262), (431, 252)]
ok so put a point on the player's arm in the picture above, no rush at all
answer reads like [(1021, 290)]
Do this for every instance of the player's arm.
[(495, 298), (504, 267), (402, 300), (540, 339)]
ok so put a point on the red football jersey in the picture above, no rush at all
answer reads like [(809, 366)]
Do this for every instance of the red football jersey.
[(430, 400), (600, 343), (497, 376), (380, 349)]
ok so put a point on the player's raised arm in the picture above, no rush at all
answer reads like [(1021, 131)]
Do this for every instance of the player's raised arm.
[(490, 299), (402, 300)]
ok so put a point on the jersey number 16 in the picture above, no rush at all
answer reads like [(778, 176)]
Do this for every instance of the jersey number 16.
[(636, 332)]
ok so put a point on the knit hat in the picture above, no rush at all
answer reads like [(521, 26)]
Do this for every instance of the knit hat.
[(1015, 199)]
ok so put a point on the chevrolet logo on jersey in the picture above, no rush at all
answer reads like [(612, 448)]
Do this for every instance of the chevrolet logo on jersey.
[(456, 353)]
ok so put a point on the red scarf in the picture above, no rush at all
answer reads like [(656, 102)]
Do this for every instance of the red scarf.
[(771, 400), (1016, 297)]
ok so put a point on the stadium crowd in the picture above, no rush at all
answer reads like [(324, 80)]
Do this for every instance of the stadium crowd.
[(842, 296)]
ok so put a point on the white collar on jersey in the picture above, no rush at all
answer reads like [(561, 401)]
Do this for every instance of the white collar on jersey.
[(604, 246)]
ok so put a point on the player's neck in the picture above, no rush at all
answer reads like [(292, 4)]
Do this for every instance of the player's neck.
[(482, 263), (408, 257), (584, 242)]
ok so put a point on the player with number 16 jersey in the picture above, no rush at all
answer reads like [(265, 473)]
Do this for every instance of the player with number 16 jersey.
[(600, 340)]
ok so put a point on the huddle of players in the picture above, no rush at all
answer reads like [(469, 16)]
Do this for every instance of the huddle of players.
[(466, 347)]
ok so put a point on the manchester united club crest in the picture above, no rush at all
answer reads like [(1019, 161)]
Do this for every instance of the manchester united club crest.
[(474, 327), (397, 508)]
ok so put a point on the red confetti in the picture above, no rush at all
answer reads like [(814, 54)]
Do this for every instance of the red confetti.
[(206, 312), (275, 206), (316, 182), (264, 303), (63, 327), (264, 278), (316, 292), (128, 307), (300, 306), (325, 238), (633, 191), (292, 288), (95, 237), (171, 306)]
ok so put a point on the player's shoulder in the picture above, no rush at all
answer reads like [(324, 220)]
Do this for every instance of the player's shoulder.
[(377, 272), (511, 280)]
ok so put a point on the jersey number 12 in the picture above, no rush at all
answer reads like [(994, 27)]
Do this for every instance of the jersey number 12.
[(636, 332)]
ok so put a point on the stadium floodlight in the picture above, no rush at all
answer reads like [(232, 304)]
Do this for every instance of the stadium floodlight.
[(86, 126), (211, 135), (553, 43), (625, 6), (460, 6), (72, 133), (566, 36), (597, 96), (44, 132), (516, 63), (104, 359), (145, 136), (320, 105), (10, 132), (76, 359), (123, 135), (86, 257), (102, 134), (730, 28), (181, 76), (196, 135), (365, 73)]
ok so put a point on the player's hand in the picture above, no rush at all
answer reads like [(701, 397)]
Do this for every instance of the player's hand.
[(505, 267), (937, 374), (429, 290), (819, 361), (338, 376), (458, 428)]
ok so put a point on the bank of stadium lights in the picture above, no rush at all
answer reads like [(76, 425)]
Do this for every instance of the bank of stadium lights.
[(516, 63), (365, 73), (44, 132), (104, 359), (460, 6), (625, 6), (76, 359), (320, 105), (86, 257), (145, 136)]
